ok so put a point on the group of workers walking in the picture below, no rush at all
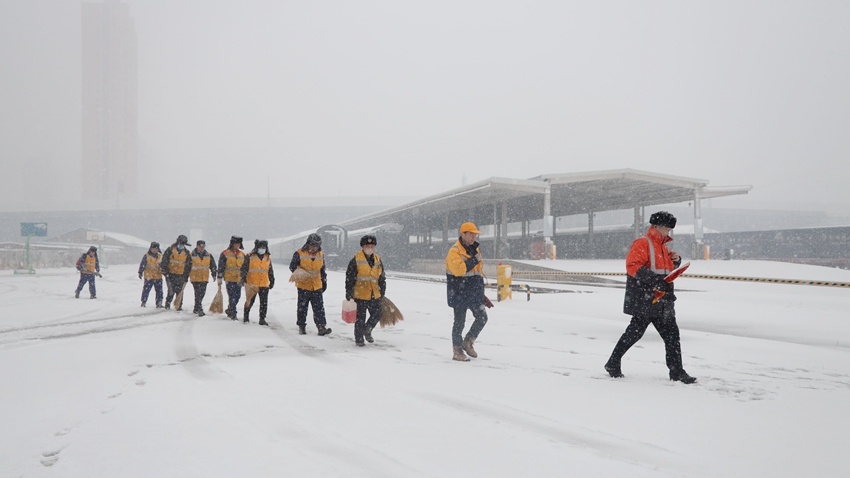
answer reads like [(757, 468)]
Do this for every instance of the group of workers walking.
[(648, 262)]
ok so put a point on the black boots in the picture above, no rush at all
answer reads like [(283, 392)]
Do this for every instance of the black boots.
[(681, 376), (302, 330), (77, 294), (613, 370), (367, 334), (263, 321), (323, 330), (144, 305)]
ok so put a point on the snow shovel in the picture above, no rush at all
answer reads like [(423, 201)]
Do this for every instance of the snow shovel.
[(390, 315), (217, 306)]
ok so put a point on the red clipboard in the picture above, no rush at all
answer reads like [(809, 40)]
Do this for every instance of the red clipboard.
[(670, 278)]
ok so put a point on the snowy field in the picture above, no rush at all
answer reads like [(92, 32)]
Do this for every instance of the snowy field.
[(104, 388)]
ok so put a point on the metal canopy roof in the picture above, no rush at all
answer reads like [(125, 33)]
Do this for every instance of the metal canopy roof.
[(471, 202), (523, 199)]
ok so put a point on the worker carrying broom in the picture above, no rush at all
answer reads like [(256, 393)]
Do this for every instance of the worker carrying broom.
[(311, 280), (366, 283), (257, 274), (465, 290)]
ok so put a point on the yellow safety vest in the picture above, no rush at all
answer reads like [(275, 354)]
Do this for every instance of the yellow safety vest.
[(258, 270), (178, 261), (366, 287), (91, 262), (312, 264), (233, 265), (200, 269), (152, 270)]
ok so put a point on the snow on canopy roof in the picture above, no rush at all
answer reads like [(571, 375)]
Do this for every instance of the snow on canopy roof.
[(128, 239), (570, 193)]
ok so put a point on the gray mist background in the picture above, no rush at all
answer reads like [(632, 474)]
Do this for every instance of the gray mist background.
[(405, 99)]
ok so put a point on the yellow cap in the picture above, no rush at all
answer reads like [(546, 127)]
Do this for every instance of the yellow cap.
[(469, 227)]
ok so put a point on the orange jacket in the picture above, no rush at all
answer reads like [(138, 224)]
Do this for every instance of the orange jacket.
[(639, 254)]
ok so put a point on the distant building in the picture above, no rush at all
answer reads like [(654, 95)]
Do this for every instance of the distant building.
[(109, 94)]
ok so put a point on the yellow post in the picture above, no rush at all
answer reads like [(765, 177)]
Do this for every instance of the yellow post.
[(503, 282)]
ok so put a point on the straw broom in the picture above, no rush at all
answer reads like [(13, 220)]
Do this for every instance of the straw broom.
[(390, 315), (299, 275), (217, 306), (178, 301)]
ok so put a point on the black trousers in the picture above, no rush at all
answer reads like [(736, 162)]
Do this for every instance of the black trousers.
[(480, 315), (373, 306), (175, 284), (263, 293), (234, 293), (666, 327), (306, 298), (200, 292)]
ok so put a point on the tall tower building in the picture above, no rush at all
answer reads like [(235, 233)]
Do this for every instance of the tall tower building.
[(109, 123)]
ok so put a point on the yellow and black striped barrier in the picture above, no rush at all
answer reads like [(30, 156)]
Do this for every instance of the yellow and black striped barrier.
[(694, 276)]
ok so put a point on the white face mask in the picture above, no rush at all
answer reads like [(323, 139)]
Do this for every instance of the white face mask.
[(261, 251), (368, 250), (179, 247)]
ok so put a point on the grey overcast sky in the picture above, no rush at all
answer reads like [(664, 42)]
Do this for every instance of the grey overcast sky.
[(392, 98)]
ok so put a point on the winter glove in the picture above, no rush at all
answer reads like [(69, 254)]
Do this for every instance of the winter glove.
[(140, 275), (471, 263), (98, 274), (271, 285), (487, 303), (347, 296)]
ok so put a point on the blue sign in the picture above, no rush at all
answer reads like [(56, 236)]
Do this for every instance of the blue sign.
[(33, 228)]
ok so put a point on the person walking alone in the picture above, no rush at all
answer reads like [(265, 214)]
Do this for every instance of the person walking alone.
[(149, 269), (312, 286), (88, 266), (648, 262), (465, 291), (366, 283), (257, 274), (203, 271)]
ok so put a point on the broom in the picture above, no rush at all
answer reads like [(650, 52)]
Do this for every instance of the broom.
[(178, 301), (299, 275), (390, 315), (217, 306)]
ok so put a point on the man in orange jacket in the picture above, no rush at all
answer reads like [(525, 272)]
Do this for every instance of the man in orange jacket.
[(648, 262)]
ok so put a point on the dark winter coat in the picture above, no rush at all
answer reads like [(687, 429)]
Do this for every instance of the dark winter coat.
[(464, 276), (166, 260), (642, 280)]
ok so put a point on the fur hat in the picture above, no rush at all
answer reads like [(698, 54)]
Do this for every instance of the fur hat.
[(313, 240), (236, 240), (368, 239), (663, 219)]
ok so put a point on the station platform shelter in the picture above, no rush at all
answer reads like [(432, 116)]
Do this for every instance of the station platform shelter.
[(517, 217)]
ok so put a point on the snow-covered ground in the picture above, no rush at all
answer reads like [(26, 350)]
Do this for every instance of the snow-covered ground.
[(104, 388)]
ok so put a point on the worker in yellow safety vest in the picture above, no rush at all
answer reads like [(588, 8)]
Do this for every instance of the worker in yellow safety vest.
[(257, 274), (309, 261), (229, 266), (149, 271), (366, 283), (203, 271), (88, 266), (176, 264)]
